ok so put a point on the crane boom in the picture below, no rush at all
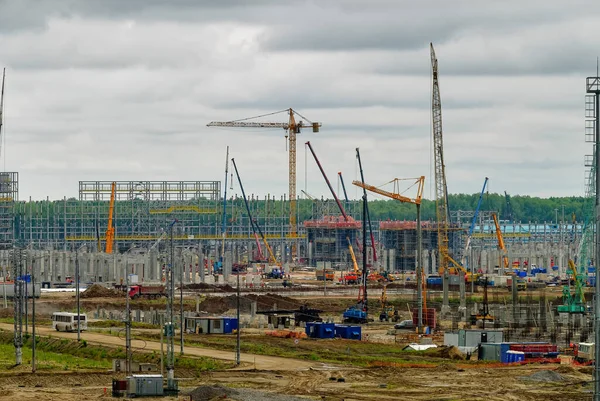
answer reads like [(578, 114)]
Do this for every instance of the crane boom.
[(472, 227), (110, 231), (395, 195), (292, 127), (362, 178), (500, 240), (254, 224), (337, 200), (441, 190)]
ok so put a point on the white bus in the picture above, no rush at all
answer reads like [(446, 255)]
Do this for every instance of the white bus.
[(65, 321)]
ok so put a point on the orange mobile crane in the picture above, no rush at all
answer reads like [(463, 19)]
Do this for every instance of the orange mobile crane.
[(110, 231)]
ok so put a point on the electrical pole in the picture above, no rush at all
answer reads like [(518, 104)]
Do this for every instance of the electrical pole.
[(364, 261), (33, 317), (169, 326), (128, 314), (237, 348), (181, 329), (77, 292)]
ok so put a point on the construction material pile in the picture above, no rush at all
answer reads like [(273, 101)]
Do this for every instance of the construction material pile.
[(98, 291)]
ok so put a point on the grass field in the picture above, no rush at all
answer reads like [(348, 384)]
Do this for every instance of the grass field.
[(64, 354)]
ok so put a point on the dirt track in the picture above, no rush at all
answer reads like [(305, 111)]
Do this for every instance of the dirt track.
[(261, 362)]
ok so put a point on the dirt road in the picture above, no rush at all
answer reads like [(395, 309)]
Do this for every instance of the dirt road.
[(260, 362)]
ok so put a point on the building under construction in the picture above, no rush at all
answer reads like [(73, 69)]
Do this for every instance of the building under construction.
[(400, 242)]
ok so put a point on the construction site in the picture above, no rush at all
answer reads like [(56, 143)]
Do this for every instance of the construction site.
[(179, 289)]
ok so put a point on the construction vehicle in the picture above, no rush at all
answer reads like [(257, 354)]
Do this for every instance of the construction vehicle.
[(484, 313), (110, 231), (501, 245), (147, 291), (573, 302), (325, 274), (585, 353), (254, 223), (275, 273), (292, 128), (388, 312), (354, 277), (362, 178)]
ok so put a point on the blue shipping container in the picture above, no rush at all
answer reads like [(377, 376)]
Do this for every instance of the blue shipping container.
[(348, 332)]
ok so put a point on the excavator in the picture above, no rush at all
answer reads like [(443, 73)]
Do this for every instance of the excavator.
[(388, 312), (573, 302)]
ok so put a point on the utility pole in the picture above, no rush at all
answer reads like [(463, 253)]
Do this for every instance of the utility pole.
[(77, 291), (169, 326), (33, 317), (364, 261), (181, 329), (237, 348), (128, 314), (593, 87)]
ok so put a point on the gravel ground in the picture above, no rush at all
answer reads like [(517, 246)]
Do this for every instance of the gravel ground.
[(209, 393)]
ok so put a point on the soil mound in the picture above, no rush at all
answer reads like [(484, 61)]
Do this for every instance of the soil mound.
[(446, 366), (564, 369), (263, 302), (98, 291), (209, 393), (547, 376), (447, 352), (198, 286)]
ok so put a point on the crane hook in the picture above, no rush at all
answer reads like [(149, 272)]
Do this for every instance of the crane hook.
[(286, 143)]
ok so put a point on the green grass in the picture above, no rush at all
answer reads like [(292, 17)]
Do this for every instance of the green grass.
[(65, 354), (118, 323)]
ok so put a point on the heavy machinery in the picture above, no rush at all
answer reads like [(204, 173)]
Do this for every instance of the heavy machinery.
[(362, 179), (147, 291), (388, 312), (573, 302), (354, 277), (446, 262), (501, 245), (253, 222), (292, 127), (356, 313), (484, 313), (463, 261), (110, 231), (275, 273), (396, 194)]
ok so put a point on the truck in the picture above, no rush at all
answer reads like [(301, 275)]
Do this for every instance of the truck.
[(276, 273), (147, 291), (323, 275)]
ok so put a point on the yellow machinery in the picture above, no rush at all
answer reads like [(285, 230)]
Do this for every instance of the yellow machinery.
[(441, 189), (292, 127), (110, 231), (501, 245), (388, 312)]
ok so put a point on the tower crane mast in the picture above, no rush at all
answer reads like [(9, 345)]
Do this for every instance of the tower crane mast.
[(292, 127)]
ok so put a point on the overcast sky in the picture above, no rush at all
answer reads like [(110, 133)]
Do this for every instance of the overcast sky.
[(123, 90)]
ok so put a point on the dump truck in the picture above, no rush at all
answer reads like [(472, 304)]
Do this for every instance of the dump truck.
[(327, 274), (147, 291)]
